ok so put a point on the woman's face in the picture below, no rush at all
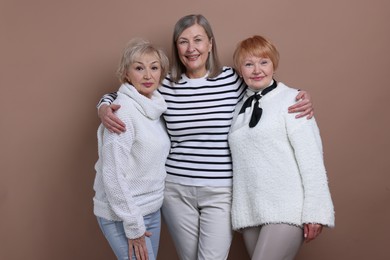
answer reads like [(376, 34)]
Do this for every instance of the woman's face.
[(257, 72), (145, 73), (193, 47)]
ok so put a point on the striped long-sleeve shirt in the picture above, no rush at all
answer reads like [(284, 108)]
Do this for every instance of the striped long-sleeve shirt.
[(198, 120)]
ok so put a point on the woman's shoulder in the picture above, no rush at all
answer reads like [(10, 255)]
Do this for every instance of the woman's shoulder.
[(282, 97), (286, 87), (227, 78), (128, 106), (126, 100), (288, 93), (227, 71)]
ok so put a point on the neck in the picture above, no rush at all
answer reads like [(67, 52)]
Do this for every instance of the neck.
[(196, 74), (261, 89)]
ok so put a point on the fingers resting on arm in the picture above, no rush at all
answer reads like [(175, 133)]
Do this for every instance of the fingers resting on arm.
[(304, 106), (110, 120)]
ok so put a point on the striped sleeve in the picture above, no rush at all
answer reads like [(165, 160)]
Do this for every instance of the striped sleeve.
[(107, 99)]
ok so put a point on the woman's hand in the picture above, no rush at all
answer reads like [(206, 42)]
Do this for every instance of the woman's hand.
[(139, 246), (110, 120), (304, 106), (311, 231)]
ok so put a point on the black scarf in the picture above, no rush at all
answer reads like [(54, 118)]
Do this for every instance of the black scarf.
[(257, 111)]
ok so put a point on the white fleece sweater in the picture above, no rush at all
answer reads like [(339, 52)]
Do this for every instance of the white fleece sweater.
[(278, 170), (130, 171)]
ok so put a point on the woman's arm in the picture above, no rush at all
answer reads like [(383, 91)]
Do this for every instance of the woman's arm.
[(306, 142), (110, 120), (106, 113), (107, 99), (115, 155)]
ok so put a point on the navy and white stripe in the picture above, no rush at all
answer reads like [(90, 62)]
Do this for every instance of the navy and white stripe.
[(198, 120), (108, 98)]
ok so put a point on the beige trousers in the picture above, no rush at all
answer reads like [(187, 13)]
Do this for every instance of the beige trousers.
[(198, 219), (273, 241)]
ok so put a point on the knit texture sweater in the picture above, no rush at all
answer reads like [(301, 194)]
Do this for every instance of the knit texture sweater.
[(198, 120), (278, 169), (130, 171)]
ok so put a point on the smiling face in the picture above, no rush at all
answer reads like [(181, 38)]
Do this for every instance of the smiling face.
[(256, 59), (194, 46), (145, 73), (257, 72)]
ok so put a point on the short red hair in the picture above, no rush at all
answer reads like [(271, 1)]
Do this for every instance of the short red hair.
[(257, 46)]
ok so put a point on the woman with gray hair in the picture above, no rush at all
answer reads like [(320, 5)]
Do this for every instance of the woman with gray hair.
[(201, 96), (130, 171)]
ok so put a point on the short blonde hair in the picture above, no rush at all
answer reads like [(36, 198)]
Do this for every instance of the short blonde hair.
[(257, 46), (133, 50)]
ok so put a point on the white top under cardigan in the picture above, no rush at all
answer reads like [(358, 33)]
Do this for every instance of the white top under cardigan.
[(278, 170), (130, 171)]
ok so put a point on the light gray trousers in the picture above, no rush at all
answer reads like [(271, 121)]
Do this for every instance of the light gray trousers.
[(198, 219), (273, 241)]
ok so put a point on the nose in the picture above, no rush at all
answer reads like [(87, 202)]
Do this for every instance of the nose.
[(147, 74), (256, 69), (190, 47)]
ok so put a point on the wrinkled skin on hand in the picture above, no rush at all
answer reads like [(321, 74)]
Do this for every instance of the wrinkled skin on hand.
[(139, 247)]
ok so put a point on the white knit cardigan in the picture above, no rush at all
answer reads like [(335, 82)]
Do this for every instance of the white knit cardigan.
[(130, 171), (278, 170)]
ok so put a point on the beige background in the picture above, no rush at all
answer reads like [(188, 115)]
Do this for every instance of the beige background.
[(58, 57)]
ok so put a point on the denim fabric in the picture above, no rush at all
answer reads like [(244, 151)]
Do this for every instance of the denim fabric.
[(116, 237)]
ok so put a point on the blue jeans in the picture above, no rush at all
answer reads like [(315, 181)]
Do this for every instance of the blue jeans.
[(116, 237)]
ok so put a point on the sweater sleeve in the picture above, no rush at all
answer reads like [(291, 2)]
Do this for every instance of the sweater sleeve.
[(107, 99), (305, 139), (116, 153)]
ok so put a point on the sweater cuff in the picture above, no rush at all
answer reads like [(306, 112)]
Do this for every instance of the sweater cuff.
[(102, 103), (135, 229)]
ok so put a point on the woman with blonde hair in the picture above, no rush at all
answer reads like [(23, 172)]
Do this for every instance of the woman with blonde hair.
[(130, 171)]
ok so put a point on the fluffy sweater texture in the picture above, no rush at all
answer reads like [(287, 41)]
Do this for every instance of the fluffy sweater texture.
[(278, 169), (130, 171)]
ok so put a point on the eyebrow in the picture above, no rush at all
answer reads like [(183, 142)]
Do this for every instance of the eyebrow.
[(198, 35), (153, 62)]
